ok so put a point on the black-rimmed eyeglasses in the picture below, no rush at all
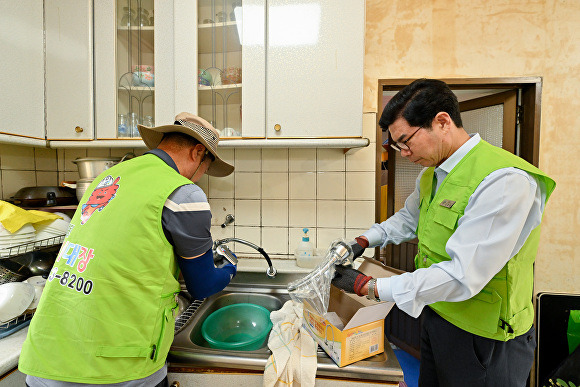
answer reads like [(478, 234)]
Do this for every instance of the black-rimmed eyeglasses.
[(399, 146)]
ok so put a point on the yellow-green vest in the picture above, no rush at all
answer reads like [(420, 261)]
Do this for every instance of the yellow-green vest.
[(107, 311), (503, 309)]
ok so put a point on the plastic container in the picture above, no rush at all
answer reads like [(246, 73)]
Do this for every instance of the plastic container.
[(304, 253), (240, 327)]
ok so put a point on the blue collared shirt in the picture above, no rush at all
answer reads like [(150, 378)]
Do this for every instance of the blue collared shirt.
[(499, 217)]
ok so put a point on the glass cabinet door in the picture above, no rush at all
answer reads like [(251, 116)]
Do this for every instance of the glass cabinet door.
[(135, 73), (220, 65)]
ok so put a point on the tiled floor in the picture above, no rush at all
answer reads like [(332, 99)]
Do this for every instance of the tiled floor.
[(410, 366)]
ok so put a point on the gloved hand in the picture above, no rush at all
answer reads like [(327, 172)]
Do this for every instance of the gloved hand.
[(349, 279), (358, 246)]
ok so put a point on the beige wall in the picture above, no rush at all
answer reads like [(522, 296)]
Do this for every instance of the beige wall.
[(457, 39)]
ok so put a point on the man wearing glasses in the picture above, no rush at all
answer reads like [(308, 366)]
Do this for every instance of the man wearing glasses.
[(476, 210)]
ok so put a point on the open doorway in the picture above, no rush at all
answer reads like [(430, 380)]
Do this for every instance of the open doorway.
[(506, 113)]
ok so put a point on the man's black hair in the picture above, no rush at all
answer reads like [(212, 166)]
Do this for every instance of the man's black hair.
[(419, 102)]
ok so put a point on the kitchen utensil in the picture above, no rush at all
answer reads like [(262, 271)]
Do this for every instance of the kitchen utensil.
[(15, 297), (11, 271), (44, 196), (82, 186), (143, 78), (38, 262), (38, 282), (241, 327), (91, 167)]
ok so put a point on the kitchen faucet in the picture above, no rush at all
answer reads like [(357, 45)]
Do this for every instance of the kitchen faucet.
[(223, 251)]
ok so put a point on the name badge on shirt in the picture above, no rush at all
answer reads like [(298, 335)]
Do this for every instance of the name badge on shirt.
[(447, 203)]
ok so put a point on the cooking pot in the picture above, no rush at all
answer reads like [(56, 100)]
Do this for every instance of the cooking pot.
[(91, 167), (44, 196), (82, 185)]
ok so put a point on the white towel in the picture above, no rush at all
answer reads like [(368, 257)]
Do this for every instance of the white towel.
[(293, 361)]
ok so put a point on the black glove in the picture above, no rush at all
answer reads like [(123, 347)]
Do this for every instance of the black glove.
[(358, 247), (349, 279)]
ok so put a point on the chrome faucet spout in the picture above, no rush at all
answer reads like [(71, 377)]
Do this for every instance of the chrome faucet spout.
[(271, 272)]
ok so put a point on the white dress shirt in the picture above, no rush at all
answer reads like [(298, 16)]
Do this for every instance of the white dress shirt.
[(499, 217)]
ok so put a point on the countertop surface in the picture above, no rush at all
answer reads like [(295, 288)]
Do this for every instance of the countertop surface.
[(10, 350)]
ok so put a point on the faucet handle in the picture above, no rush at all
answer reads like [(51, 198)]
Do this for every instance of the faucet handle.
[(224, 251), (229, 219)]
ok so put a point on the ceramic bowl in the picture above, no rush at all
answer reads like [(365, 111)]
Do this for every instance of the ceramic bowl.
[(143, 68), (141, 78)]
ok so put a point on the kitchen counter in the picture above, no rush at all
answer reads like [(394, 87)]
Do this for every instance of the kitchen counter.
[(10, 347)]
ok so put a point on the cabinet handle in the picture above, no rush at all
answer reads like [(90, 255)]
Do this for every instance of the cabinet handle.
[(78, 129), (174, 384), (277, 127)]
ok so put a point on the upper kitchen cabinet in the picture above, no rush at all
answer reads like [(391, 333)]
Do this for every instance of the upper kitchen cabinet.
[(314, 61), (69, 69), (22, 75), (281, 69), (134, 66)]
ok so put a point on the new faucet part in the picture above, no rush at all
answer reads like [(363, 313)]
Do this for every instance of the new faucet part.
[(270, 272)]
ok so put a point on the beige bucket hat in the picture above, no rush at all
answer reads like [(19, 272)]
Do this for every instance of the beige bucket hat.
[(195, 127)]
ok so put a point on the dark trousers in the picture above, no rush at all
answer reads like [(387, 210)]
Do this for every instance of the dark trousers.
[(452, 357)]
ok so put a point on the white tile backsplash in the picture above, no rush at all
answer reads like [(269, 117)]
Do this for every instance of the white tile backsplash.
[(275, 240), (275, 160), (248, 160), (302, 213), (302, 160), (302, 185), (221, 187), (360, 185), (330, 185), (273, 193), (248, 185), (360, 214), (274, 213), (219, 209), (16, 157), (275, 185), (248, 213), (330, 213), (330, 159)]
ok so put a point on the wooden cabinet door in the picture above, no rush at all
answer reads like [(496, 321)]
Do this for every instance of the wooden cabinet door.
[(22, 64), (314, 68), (69, 69)]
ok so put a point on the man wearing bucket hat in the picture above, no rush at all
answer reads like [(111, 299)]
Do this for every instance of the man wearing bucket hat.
[(108, 309)]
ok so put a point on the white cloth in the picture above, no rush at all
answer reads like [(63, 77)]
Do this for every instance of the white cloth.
[(500, 215), (293, 361)]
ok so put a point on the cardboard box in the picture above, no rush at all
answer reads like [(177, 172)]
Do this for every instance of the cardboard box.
[(354, 327)]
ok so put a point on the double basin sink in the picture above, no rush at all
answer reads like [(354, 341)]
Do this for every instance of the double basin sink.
[(189, 348)]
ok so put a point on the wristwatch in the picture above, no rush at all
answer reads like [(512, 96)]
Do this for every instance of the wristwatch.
[(371, 286)]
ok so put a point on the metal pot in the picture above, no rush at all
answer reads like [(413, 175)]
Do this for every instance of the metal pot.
[(44, 196), (91, 167), (82, 185)]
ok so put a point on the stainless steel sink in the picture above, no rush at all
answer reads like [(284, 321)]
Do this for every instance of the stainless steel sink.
[(189, 348)]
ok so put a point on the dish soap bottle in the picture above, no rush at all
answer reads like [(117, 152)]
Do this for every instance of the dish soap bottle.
[(304, 253)]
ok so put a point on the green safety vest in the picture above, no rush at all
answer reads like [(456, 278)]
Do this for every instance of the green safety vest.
[(107, 311), (503, 309)]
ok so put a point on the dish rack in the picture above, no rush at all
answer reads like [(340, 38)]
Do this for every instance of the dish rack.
[(13, 251), (11, 272)]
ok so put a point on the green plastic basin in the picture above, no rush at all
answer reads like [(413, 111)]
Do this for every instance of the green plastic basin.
[(240, 327)]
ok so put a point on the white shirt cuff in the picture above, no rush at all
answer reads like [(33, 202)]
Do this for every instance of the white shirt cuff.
[(384, 289)]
